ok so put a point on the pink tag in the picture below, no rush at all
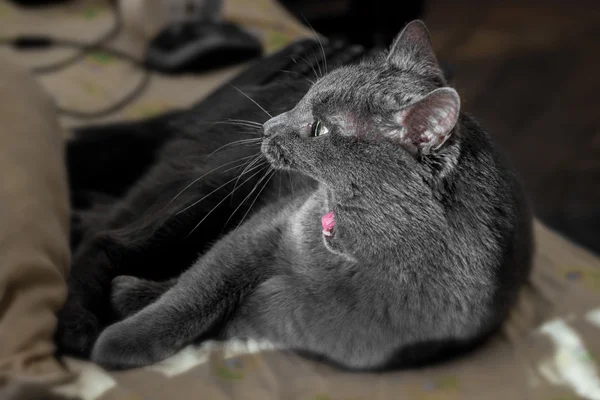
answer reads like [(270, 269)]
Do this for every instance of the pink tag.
[(328, 222)]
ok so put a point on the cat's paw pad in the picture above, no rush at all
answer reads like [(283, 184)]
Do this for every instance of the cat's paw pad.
[(77, 330)]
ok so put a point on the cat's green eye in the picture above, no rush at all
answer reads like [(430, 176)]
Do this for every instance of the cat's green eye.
[(317, 129)]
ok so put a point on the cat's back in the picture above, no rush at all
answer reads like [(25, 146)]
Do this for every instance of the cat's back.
[(491, 216), (485, 190)]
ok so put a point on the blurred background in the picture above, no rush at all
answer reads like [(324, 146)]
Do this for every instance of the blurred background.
[(528, 70)]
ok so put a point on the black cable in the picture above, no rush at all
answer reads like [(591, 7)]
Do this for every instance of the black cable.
[(42, 42), (30, 42), (102, 40)]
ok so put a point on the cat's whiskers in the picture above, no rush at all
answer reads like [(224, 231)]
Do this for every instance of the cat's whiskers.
[(239, 123), (311, 66), (231, 122), (253, 123), (246, 124), (249, 165), (318, 63), (243, 201), (320, 44), (224, 198), (210, 172), (250, 131), (270, 173), (214, 191), (310, 81), (235, 143), (254, 129), (252, 100)]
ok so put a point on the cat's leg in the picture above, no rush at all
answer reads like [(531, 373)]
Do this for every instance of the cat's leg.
[(155, 332), (196, 306), (145, 235), (130, 294), (317, 321), (148, 235)]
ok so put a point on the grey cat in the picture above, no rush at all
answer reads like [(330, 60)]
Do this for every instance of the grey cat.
[(409, 241)]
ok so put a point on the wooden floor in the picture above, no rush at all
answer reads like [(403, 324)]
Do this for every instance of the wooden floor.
[(530, 72)]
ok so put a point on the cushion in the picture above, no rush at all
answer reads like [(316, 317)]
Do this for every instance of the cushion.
[(34, 229)]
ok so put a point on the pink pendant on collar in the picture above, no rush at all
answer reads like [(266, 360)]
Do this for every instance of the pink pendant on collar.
[(328, 222)]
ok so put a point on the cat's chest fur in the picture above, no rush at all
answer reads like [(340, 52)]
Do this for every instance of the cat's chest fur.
[(302, 242)]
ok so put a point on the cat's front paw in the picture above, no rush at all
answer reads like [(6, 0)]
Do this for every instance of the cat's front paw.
[(119, 347), (77, 330)]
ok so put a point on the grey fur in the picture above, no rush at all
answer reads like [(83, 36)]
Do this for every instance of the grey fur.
[(432, 236), (130, 294)]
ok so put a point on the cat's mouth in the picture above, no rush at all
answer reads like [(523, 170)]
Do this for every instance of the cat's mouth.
[(328, 223), (274, 154)]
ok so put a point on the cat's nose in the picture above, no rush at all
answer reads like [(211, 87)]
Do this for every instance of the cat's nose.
[(270, 126), (266, 131)]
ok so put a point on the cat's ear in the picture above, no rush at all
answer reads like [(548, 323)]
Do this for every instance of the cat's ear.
[(428, 122), (412, 50)]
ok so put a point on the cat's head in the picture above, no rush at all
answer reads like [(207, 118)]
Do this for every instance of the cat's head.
[(377, 135), (361, 124)]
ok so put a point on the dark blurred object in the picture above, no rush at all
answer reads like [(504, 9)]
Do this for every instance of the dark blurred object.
[(529, 71), (38, 3), (197, 46), (372, 23), (144, 18)]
